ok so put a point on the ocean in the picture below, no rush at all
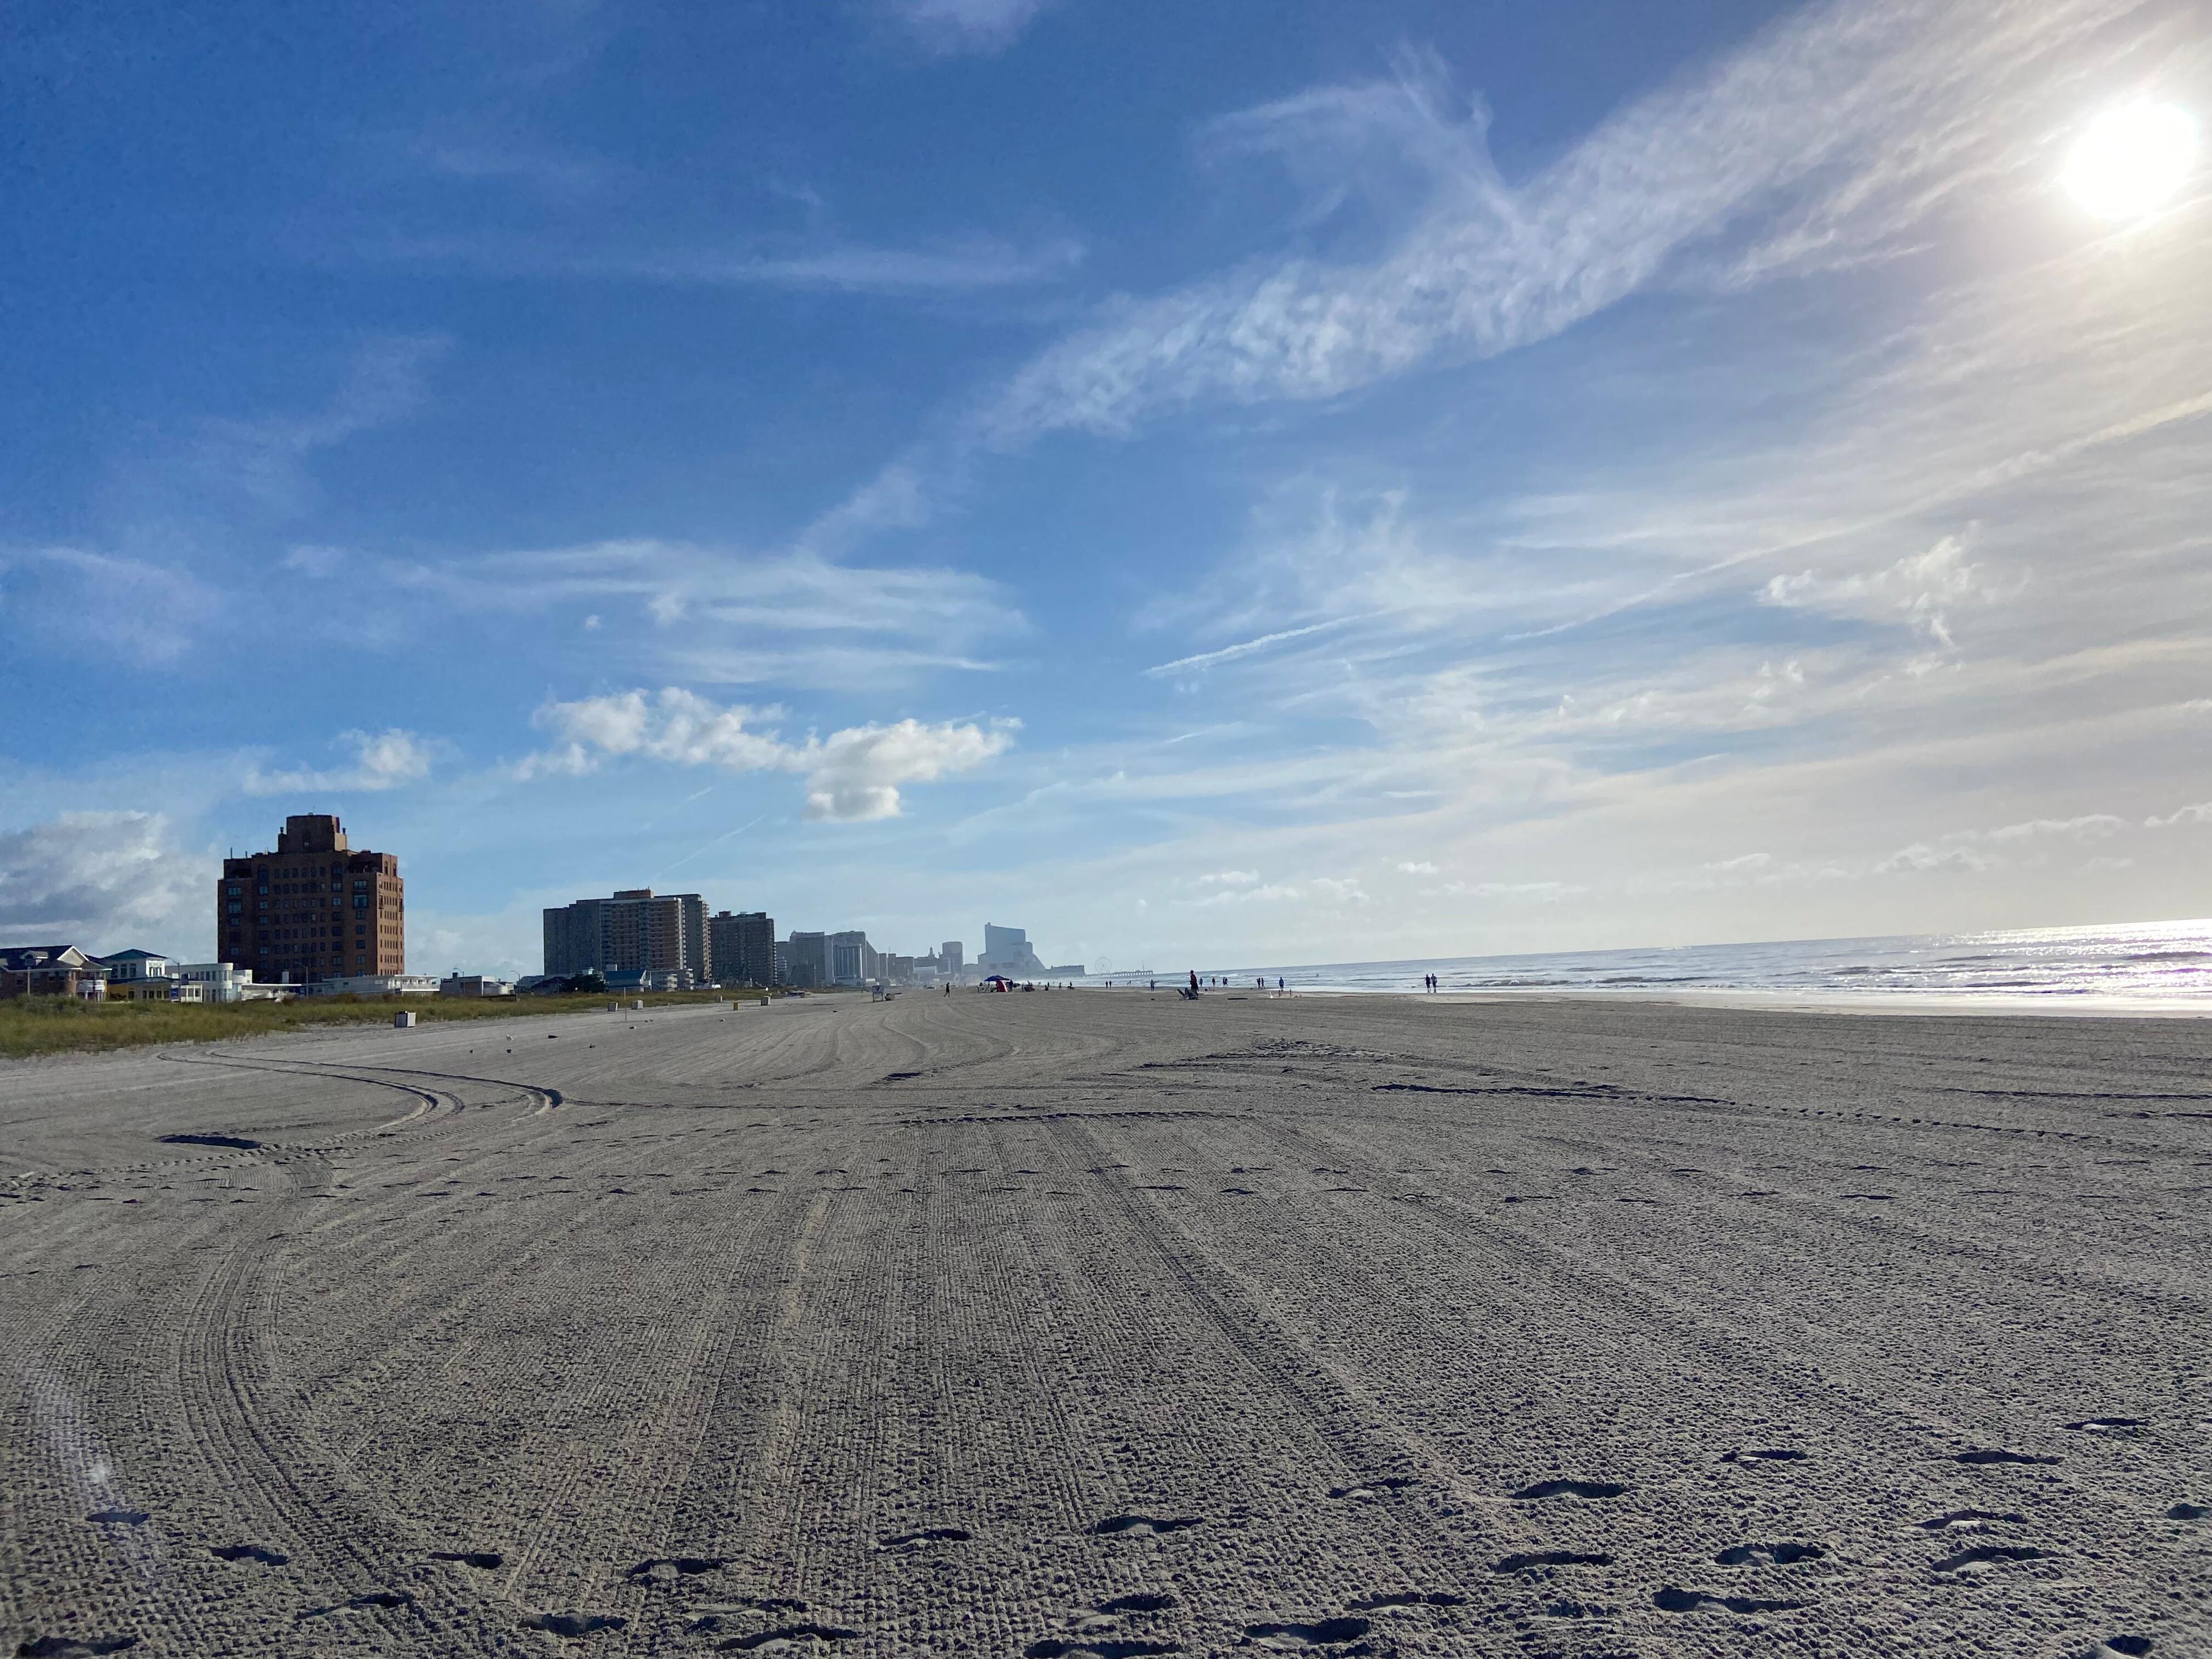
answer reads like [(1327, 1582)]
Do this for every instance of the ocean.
[(2135, 967)]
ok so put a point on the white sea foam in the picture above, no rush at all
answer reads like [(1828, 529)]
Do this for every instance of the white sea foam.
[(2140, 965)]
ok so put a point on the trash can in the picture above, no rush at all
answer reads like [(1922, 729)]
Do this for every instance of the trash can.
[(404, 1019)]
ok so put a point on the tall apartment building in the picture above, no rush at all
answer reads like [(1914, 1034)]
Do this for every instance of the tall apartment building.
[(742, 947), (853, 960), (313, 909), (951, 960), (662, 934), (1007, 950), (803, 960)]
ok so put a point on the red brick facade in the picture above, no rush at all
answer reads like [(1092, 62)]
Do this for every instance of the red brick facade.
[(314, 908)]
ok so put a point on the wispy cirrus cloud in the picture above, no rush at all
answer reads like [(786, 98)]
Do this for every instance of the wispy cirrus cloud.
[(1789, 146), (264, 457), (950, 265), (956, 27), (731, 616), (74, 597), (162, 579)]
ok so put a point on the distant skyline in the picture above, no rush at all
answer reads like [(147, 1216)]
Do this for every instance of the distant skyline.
[(1255, 482)]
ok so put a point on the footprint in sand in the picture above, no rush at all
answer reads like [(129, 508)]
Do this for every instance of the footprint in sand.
[(1302, 1637), (1144, 1526), (1543, 1489), (1983, 1555)]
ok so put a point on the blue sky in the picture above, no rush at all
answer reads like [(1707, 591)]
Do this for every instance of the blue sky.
[(1242, 482)]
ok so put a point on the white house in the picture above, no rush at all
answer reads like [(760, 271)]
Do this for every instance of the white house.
[(219, 981), (372, 985), (135, 967)]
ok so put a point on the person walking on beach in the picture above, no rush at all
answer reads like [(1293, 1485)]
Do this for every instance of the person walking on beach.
[(1193, 981)]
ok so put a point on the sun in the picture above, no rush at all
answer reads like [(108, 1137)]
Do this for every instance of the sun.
[(2132, 160)]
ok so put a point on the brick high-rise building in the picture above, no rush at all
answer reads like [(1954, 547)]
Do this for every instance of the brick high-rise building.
[(313, 909), (742, 947)]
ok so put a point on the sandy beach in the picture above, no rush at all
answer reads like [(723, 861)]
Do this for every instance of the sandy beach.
[(1104, 1324)]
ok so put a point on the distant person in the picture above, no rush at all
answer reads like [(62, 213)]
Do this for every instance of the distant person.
[(1193, 981), (1279, 982)]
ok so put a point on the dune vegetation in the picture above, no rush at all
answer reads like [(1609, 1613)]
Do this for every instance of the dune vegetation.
[(49, 1025)]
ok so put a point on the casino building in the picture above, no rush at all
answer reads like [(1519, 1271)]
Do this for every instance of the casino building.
[(313, 910)]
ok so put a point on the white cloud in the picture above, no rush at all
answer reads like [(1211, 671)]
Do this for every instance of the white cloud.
[(1541, 891), (1812, 109), (2200, 813), (727, 616), (955, 266), (1421, 867), (1748, 863), (266, 459), (677, 726), (1244, 887), (99, 879), (152, 611), (855, 775), (2090, 826), (382, 760), (310, 559), (1921, 856), (852, 775), (1955, 851), (1243, 648), (1918, 590), (951, 27)]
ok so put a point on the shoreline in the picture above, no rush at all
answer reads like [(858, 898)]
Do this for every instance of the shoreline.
[(2056, 1004)]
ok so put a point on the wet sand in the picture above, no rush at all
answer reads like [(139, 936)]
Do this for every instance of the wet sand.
[(1109, 1325)]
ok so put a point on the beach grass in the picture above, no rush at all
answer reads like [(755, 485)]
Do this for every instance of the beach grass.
[(53, 1025)]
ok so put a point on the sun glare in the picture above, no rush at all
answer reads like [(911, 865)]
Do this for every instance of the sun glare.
[(2132, 160)]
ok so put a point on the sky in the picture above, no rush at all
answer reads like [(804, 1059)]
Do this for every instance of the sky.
[(1260, 482)]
